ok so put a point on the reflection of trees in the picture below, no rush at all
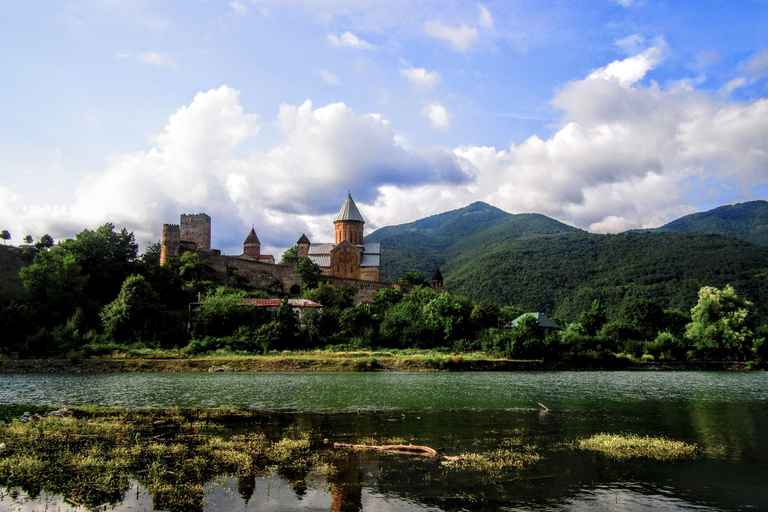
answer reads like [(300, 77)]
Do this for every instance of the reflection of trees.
[(346, 485), (724, 427)]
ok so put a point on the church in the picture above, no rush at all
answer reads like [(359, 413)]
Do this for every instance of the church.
[(348, 256)]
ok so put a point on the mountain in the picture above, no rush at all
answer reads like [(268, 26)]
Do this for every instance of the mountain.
[(562, 274), (748, 221), (545, 265), (432, 242)]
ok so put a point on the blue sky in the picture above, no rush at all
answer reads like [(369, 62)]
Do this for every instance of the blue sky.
[(605, 114)]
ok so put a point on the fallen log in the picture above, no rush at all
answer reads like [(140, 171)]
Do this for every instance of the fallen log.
[(407, 449)]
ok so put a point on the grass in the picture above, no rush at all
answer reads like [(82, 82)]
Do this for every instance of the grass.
[(629, 446)]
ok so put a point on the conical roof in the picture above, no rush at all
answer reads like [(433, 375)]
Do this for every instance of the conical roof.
[(349, 211), (252, 238), (303, 240)]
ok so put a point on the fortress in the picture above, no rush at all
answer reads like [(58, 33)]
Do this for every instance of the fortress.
[(348, 260)]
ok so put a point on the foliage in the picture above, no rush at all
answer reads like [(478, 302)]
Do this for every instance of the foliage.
[(309, 272), (222, 313), (289, 255), (136, 312), (28, 239), (46, 242), (414, 279), (191, 265), (5, 235), (722, 324), (593, 319), (55, 283)]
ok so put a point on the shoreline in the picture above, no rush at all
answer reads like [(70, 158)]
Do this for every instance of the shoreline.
[(357, 364)]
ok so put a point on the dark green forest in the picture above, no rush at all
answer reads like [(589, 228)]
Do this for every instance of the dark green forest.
[(652, 296)]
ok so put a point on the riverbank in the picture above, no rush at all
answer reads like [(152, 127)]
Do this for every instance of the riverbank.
[(362, 363)]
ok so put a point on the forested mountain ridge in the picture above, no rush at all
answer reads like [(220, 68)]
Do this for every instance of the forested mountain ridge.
[(544, 265), (432, 242), (562, 274), (748, 221)]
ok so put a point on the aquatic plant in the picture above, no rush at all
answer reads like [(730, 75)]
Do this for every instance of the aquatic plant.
[(625, 446)]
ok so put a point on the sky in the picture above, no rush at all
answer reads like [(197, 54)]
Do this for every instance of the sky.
[(606, 115)]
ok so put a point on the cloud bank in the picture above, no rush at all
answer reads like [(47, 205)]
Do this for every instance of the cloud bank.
[(627, 153)]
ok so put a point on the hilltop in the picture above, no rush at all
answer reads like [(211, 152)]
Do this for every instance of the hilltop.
[(747, 221), (434, 241)]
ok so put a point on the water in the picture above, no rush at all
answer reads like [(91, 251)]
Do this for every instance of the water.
[(725, 413)]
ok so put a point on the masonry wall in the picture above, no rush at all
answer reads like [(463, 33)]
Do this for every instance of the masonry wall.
[(169, 248), (196, 228)]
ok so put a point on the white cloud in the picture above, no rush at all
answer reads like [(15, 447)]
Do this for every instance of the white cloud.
[(486, 19), (438, 116), (758, 64), (625, 154), (732, 85), (295, 187), (461, 38), (328, 77), (421, 78), (156, 59), (350, 40), (238, 8)]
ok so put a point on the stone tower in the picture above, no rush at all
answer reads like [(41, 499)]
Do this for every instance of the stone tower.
[(302, 247), (349, 223), (170, 246), (196, 228), (252, 246)]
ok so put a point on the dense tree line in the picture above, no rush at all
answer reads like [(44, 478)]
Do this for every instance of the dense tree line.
[(94, 294)]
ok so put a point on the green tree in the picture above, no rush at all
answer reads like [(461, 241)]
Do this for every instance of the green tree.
[(192, 265), (291, 253), (414, 279), (309, 272), (722, 324), (46, 242), (644, 317), (107, 256), (135, 314), (54, 284), (5, 235), (28, 239), (593, 319), (222, 312)]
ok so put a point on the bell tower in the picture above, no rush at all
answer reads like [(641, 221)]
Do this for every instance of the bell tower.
[(349, 223)]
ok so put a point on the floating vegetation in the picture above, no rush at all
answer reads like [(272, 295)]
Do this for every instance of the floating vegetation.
[(631, 445), (511, 456), (90, 456)]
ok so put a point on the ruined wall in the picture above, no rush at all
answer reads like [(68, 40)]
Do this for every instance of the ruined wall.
[(196, 228)]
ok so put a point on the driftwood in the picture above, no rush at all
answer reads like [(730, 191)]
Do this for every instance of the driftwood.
[(407, 449)]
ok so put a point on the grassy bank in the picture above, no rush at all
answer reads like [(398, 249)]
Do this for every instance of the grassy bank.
[(408, 360)]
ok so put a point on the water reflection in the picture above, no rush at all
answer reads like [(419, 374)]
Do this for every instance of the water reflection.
[(725, 414)]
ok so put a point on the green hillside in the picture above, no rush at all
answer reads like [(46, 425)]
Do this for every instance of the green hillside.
[(433, 242), (748, 221), (548, 266), (563, 274)]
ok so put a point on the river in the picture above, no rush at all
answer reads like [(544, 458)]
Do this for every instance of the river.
[(724, 413)]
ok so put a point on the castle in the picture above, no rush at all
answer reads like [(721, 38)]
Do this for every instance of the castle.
[(348, 260)]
